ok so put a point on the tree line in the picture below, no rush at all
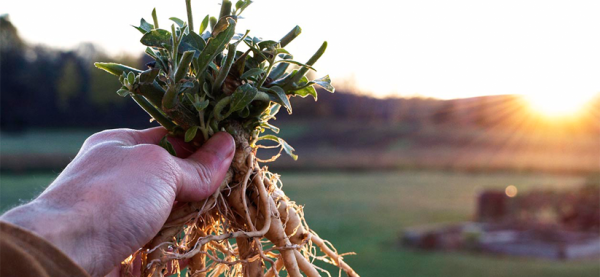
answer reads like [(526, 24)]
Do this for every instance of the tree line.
[(51, 88)]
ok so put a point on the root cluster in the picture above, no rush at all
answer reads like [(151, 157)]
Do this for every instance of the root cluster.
[(249, 227)]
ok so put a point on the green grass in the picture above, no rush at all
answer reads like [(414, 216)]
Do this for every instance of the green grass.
[(41, 141), (365, 213), (19, 189)]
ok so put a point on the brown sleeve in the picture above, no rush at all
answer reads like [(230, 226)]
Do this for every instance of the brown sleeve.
[(24, 254)]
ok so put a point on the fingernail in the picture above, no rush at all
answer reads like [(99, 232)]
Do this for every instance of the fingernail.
[(221, 143)]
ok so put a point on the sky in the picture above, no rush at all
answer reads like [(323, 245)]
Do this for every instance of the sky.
[(434, 48)]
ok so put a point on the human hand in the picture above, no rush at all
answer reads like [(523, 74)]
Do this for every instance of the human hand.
[(117, 193)]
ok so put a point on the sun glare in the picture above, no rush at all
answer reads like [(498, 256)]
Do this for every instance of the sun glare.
[(558, 104)]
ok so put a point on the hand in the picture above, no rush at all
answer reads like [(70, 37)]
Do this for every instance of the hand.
[(117, 193)]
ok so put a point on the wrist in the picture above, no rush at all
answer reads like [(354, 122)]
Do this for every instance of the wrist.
[(61, 227)]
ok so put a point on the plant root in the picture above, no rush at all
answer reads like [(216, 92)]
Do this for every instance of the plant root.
[(248, 227)]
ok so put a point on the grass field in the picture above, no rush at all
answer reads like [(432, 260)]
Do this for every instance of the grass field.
[(365, 212), (343, 145)]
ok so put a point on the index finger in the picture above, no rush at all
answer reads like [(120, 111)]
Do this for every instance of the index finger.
[(125, 137)]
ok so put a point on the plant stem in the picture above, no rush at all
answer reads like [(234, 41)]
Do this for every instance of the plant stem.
[(264, 78), (155, 113), (203, 126), (188, 6)]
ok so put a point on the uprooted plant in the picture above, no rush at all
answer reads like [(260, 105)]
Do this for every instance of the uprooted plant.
[(209, 81)]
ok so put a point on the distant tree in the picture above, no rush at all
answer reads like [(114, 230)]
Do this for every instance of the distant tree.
[(11, 41), (12, 57), (481, 112), (444, 114), (69, 83)]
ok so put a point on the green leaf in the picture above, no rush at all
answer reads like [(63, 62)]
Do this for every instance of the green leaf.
[(290, 36), (273, 128), (155, 18), (281, 51), (190, 97), (221, 26), (279, 70), (204, 24), (116, 69), (277, 95), (241, 37), (192, 41), (296, 63), (200, 105), (254, 72), (244, 113), (274, 109), (222, 63), (131, 78), (187, 84), (184, 65), (212, 22), (284, 145), (164, 143), (239, 4), (144, 26), (269, 137), (167, 46), (153, 92), (214, 47), (242, 97), (148, 76), (315, 57), (325, 82), (306, 91), (190, 134), (151, 53), (157, 38), (225, 68), (302, 89), (267, 44), (178, 21), (213, 66), (123, 92), (206, 90), (288, 149)]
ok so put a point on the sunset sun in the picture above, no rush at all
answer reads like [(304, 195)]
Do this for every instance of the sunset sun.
[(558, 104)]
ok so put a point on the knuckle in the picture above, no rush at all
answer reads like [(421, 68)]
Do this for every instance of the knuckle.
[(152, 152), (204, 175), (108, 135), (158, 158), (101, 147), (170, 171)]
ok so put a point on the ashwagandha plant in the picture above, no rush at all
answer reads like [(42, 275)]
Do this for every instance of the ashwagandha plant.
[(208, 81)]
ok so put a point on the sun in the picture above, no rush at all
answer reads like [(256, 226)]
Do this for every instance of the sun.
[(558, 104)]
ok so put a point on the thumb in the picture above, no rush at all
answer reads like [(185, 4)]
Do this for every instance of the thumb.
[(203, 171)]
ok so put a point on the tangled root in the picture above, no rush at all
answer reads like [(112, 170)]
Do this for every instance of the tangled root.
[(249, 227)]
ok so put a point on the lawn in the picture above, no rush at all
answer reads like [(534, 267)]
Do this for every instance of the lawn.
[(364, 212)]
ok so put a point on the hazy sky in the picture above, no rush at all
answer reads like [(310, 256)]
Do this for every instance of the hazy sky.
[(443, 49)]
